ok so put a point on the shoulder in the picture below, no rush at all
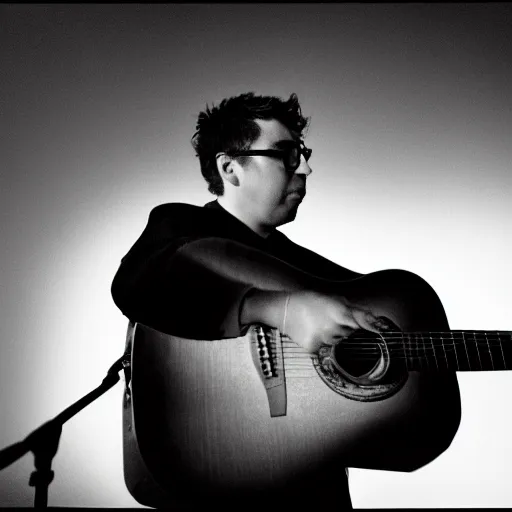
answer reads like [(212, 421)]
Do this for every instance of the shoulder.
[(314, 263), (171, 221), (171, 225), (174, 210), (182, 215)]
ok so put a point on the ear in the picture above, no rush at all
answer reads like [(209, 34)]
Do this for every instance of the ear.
[(227, 168)]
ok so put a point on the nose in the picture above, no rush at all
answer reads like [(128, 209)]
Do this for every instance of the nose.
[(304, 167)]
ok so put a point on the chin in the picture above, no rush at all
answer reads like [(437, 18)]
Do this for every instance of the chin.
[(289, 217)]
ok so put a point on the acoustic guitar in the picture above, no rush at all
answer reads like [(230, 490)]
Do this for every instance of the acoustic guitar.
[(255, 419)]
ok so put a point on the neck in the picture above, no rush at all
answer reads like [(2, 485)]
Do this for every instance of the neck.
[(453, 350), (247, 219)]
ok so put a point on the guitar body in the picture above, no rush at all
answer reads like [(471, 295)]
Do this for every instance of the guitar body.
[(198, 424)]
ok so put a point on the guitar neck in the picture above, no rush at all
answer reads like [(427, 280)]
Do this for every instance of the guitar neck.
[(453, 350)]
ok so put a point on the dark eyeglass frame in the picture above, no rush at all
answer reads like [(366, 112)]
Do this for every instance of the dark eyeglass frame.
[(284, 154)]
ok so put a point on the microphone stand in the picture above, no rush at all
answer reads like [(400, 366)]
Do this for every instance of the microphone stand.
[(44, 441)]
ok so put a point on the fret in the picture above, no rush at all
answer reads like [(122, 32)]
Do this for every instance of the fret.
[(462, 351), (420, 352), (453, 350), (475, 362), (444, 359), (413, 349), (449, 351), (434, 351), (407, 356), (426, 355), (466, 352), (490, 351), (486, 348), (485, 355), (455, 346), (481, 367), (505, 366), (495, 344), (458, 350), (429, 351)]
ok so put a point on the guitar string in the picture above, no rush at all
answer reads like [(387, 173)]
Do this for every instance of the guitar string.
[(441, 334), (372, 347), (417, 340), (426, 336), (298, 359), (362, 343), (459, 335), (305, 364), (372, 350), (394, 351), (308, 367), (368, 357)]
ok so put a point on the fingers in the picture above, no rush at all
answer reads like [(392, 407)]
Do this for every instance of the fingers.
[(363, 318), (385, 324), (316, 320), (367, 320)]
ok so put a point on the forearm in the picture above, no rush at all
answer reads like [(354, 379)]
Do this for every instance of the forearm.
[(271, 279), (197, 291)]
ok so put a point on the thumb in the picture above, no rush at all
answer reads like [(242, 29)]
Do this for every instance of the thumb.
[(385, 324), (367, 320)]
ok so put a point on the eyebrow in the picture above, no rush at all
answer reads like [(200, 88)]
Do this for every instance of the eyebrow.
[(284, 143)]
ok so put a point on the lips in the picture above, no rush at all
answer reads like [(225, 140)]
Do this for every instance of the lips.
[(300, 193)]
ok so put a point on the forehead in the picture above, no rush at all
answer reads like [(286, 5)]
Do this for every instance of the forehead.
[(272, 131)]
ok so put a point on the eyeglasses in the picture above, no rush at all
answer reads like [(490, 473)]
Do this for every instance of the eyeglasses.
[(290, 155)]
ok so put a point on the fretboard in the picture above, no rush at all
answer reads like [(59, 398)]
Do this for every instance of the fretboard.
[(453, 350)]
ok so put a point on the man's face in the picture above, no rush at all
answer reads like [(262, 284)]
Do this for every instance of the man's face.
[(268, 193)]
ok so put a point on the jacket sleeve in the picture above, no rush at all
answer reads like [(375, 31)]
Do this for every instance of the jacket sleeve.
[(158, 288)]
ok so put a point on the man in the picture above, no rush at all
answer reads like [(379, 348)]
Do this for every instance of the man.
[(211, 272)]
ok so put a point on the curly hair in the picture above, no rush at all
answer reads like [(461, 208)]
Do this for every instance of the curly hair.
[(231, 127)]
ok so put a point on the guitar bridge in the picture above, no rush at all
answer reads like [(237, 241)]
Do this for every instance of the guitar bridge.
[(267, 354), (267, 364)]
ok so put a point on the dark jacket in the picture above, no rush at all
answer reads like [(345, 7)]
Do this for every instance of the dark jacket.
[(150, 287)]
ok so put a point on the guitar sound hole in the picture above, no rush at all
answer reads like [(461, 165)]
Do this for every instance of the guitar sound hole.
[(358, 354)]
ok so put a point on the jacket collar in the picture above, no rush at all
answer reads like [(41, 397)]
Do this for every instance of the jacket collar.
[(214, 205)]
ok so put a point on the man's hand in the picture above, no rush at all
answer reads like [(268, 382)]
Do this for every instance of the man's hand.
[(314, 319)]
